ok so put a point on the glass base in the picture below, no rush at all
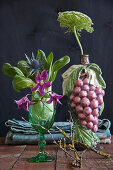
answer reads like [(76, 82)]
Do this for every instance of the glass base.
[(41, 158)]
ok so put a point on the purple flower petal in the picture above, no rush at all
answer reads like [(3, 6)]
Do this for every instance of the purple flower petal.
[(24, 102), (35, 88), (47, 84), (54, 97), (41, 91), (58, 96), (58, 101), (49, 101), (38, 78), (44, 75), (25, 106)]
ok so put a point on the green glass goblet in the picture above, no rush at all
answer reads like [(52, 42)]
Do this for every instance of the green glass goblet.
[(41, 117)]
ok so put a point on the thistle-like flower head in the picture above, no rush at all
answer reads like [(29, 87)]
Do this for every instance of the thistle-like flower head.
[(33, 64)]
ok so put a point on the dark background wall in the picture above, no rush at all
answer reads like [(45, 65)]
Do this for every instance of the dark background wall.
[(27, 26)]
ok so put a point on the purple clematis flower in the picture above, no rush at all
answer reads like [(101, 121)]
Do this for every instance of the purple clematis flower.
[(41, 84), (54, 97), (24, 102)]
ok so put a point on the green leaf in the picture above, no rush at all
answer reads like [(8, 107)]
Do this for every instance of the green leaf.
[(11, 71), (101, 110), (23, 66), (46, 95), (50, 61), (58, 65), (42, 59), (98, 72), (83, 135), (20, 82), (95, 67), (71, 80)]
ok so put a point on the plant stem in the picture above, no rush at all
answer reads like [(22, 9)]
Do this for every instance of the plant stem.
[(78, 40)]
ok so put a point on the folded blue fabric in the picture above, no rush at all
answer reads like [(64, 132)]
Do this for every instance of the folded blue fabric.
[(104, 129)]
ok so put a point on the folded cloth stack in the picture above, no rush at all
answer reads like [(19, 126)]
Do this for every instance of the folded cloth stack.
[(104, 131), (22, 132)]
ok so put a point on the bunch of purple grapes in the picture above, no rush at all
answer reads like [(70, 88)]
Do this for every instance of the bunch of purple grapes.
[(87, 101)]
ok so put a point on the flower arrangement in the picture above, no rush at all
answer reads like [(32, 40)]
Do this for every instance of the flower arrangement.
[(38, 74)]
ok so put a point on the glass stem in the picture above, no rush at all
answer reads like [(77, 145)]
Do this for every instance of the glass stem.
[(75, 32), (42, 144)]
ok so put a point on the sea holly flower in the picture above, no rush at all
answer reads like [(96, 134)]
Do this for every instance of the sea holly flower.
[(24, 102), (54, 97), (33, 64), (41, 82)]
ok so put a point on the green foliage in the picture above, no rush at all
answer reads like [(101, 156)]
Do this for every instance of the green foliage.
[(11, 71), (23, 66), (57, 65), (98, 72), (72, 78), (83, 135), (50, 61), (71, 19), (20, 74), (21, 82), (101, 110), (42, 59)]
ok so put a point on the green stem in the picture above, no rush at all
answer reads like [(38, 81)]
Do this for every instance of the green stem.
[(78, 40)]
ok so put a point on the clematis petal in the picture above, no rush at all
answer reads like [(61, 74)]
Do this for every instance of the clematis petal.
[(59, 96), (49, 101), (47, 84), (38, 78), (35, 88), (41, 91), (18, 102), (55, 102), (20, 106), (25, 106), (31, 103), (44, 75), (58, 101)]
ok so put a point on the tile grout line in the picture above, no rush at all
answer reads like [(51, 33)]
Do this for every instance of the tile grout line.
[(17, 158)]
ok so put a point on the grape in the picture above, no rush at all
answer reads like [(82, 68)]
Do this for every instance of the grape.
[(89, 125), (95, 120), (79, 83), (91, 87), (71, 97), (81, 116), (89, 118), (103, 92), (77, 99), (83, 122), (100, 99), (79, 108), (87, 110), (73, 105), (95, 112), (99, 90), (91, 95), (95, 128), (83, 93), (85, 87), (86, 81), (77, 90), (87, 101), (94, 104)]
